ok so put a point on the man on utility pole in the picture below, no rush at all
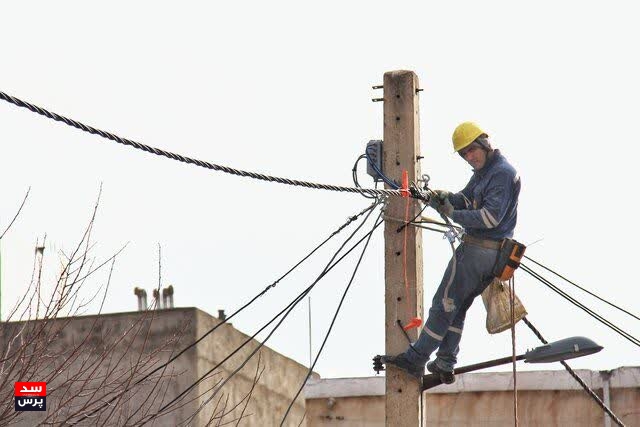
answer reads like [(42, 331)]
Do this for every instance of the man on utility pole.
[(487, 209)]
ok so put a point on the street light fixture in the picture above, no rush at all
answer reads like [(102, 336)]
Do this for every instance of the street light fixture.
[(568, 348), (556, 351)]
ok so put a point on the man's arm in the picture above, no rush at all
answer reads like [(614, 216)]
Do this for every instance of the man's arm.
[(462, 199), (495, 204)]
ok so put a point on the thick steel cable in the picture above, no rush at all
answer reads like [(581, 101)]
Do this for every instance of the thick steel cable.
[(180, 158), (228, 318), (582, 289), (583, 307), (580, 381), (333, 321)]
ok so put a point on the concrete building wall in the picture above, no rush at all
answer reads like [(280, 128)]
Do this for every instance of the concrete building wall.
[(545, 398), (625, 403), (108, 346), (495, 408), (360, 411), (280, 377), (96, 355)]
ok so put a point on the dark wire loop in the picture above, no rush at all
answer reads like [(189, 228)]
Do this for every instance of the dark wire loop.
[(354, 175)]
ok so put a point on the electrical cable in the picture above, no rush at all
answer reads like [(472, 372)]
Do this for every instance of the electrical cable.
[(443, 224), (333, 321), (582, 289), (189, 160), (566, 296), (354, 175), (580, 381), (330, 265), (412, 221), (584, 308), (298, 299), (350, 220), (539, 335), (512, 308), (288, 309), (424, 227)]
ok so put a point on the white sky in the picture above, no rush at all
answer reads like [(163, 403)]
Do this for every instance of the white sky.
[(284, 88)]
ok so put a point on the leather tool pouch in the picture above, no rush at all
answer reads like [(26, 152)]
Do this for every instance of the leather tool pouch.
[(509, 256)]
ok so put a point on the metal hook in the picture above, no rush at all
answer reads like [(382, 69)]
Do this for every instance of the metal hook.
[(425, 179)]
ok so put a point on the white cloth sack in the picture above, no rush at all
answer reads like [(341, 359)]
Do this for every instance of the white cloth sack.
[(496, 299)]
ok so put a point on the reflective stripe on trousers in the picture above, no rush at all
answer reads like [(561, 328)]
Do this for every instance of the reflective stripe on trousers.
[(443, 328)]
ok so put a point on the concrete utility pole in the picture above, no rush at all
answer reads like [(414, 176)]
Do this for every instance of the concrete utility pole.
[(401, 148)]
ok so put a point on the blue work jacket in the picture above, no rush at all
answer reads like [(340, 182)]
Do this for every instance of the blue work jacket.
[(487, 207)]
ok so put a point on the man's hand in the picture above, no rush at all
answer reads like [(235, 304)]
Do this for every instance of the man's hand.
[(440, 201), (438, 198), (446, 208), (442, 194)]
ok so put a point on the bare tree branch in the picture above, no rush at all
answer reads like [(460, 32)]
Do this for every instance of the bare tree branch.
[(17, 214)]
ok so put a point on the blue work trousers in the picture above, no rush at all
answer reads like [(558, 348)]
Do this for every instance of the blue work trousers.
[(468, 274)]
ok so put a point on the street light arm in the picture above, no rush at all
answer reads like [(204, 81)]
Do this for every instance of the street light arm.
[(567, 348), (432, 380)]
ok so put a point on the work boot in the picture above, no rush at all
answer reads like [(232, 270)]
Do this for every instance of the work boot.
[(400, 361), (447, 377)]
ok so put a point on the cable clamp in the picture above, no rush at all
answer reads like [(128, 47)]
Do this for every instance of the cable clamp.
[(417, 194), (384, 201), (451, 235)]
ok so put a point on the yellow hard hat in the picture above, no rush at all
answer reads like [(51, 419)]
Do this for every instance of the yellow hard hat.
[(465, 134)]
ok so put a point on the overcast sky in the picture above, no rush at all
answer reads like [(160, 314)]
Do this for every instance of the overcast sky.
[(284, 88)]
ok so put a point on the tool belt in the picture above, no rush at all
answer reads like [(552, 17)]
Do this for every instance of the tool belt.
[(510, 252), (483, 243), (509, 256)]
